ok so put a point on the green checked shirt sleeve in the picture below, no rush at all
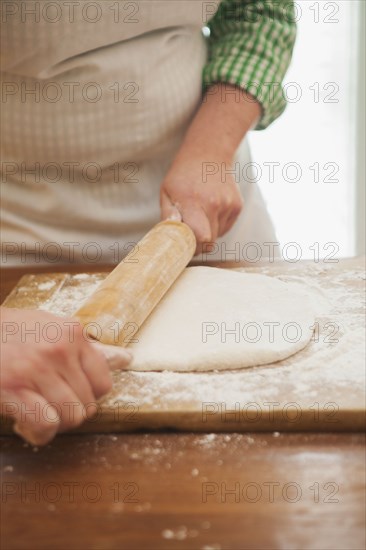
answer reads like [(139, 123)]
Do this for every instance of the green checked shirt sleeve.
[(250, 46)]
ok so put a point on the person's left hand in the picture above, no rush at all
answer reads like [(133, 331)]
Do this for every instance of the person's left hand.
[(203, 195)]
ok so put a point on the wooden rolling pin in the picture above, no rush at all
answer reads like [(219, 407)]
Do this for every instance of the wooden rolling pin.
[(117, 308)]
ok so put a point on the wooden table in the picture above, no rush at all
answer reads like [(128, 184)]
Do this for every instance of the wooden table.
[(167, 490)]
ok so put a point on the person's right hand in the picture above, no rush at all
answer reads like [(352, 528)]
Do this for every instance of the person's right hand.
[(51, 378)]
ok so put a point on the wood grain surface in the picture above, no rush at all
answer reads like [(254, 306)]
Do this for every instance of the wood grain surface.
[(187, 491), (321, 388), (183, 491)]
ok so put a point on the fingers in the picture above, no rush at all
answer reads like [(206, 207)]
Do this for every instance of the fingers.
[(95, 366), (38, 427), (49, 387), (61, 397), (168, 210), (230, 215), (210, 214), (212, 209), (198, 221), (65, 397), (117, 358), (98, 360), (77, 379), (192, 215)]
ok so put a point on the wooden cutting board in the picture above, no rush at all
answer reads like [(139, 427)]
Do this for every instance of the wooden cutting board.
[(321, 388)]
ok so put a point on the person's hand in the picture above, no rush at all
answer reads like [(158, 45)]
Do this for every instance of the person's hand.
[(198, 188), (203, 195), (51, 375)]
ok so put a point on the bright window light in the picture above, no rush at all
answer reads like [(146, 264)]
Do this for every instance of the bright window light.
[(306, 159)]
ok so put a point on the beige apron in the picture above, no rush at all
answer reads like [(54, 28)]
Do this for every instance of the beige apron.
[(96, 99)]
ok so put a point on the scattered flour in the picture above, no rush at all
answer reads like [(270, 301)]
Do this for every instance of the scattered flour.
[(329, 369), (46, 285), (181, 533)]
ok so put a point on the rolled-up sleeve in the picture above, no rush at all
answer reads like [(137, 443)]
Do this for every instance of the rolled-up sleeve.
[(250, 46)]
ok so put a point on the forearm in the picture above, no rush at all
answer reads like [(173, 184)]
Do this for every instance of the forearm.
[(223, 119), (221, 122)]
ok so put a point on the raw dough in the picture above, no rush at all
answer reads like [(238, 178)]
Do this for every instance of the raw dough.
[(223, 319)]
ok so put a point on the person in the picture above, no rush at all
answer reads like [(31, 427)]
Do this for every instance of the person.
[(117, 115)]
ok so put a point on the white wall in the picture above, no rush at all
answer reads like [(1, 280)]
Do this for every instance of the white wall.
[(315, 139)]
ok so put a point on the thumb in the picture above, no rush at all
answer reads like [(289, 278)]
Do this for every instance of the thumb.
[(168, 210)]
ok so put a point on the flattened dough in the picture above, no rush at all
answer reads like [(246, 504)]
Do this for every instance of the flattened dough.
[(216, 319)]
